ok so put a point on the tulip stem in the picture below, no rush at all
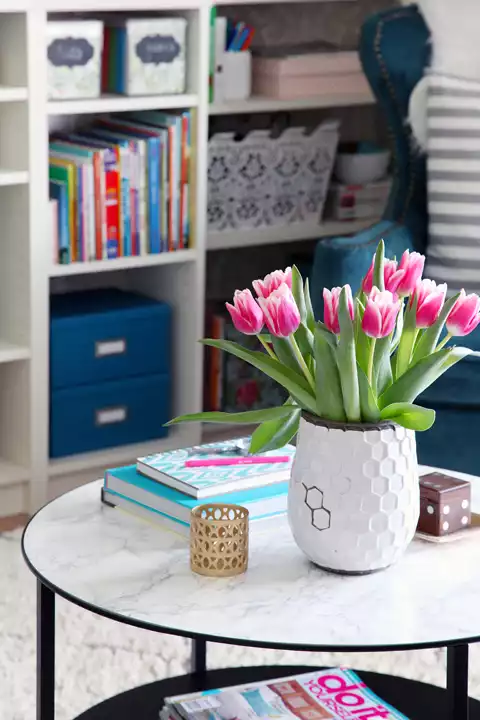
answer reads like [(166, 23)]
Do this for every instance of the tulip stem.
[(445, 340), (301, 362), (267, 347), (371, 357)]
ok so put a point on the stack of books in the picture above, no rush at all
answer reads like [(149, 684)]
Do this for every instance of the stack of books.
[(335, 694), (164, 488), (122, 186)]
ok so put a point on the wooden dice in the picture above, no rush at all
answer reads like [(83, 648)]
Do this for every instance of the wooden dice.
[(444, 504)]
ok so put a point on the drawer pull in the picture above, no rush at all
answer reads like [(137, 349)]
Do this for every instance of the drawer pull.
[(111, 415), (105, 348)]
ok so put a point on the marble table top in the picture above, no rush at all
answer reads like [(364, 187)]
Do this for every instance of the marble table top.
[(133, 571)]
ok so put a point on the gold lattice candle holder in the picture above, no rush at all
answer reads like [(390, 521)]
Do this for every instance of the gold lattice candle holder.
[(219, 540)]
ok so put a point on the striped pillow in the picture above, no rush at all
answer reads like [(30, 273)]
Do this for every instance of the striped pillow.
[(453, 126)]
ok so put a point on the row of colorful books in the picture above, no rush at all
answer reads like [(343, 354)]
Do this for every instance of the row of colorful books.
[(337, 693), (123, 186), (164, 488)]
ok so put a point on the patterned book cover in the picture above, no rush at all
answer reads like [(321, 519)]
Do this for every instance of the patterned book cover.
[(169, 468)]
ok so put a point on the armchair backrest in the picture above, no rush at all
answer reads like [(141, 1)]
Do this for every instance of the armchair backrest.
[(395, 50)]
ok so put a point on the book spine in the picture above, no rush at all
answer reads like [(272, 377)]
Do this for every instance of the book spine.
[(112, 202), (124, 194), (54, 229), (165, 192), (89, 210), (143, 196), (80, 215), (135, 196), (154, 193), (64, 254), (171, 189), (98, 202), (185, 180)]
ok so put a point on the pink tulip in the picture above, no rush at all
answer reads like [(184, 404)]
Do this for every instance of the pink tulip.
[(380, 313), (430, 298), (412, 264), (271, 282), (392, 277), (281, 312), (465, 315), (245, 313), (331, 299)]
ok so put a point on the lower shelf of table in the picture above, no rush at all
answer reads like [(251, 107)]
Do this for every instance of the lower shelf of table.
[(416, 700)]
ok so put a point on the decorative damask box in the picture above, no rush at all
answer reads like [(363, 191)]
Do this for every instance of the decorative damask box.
[(110, 370), (74, 52), (145, 56)]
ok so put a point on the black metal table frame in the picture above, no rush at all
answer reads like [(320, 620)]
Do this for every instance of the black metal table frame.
[(457, 654)]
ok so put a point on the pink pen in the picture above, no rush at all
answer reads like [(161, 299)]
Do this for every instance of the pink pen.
[(219, 462)]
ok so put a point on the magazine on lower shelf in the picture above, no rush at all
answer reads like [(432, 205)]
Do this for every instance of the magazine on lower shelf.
[(335, 694)]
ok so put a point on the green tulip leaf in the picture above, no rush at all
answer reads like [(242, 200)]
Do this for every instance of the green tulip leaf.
[(378, 267), (412, 417), (362, 341), (368, 401), (298, 294), (330, 337), (251, 417), (407, 339), (347, 363), (421, 375), (308, 305), (274, 434), (382, 368), (431, 336), (295, 384), (327, 379), (304, 339)]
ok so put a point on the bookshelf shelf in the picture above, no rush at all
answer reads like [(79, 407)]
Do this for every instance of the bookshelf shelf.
[(264, 104), (123, 263), (12, 94), (13, 177), (11, 474), (121, 103), (11, 353), (271, 235), (28, 275)]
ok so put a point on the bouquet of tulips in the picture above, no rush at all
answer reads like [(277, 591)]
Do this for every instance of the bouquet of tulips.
[(368, 360)]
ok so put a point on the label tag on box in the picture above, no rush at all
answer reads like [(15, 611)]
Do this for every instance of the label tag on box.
[(110, 416), (106, 348)]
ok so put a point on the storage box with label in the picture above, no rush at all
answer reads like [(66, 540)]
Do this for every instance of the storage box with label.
[(145, 56), (110, 370), (74, 53)]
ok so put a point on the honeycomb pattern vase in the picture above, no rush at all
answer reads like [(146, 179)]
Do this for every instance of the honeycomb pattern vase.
[(354, 496)]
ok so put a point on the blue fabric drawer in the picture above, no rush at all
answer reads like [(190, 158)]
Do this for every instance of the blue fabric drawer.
[(452, 443), (107, 334), (120, 412)]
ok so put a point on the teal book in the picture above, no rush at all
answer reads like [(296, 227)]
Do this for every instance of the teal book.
[(169, 468), (261, 502)]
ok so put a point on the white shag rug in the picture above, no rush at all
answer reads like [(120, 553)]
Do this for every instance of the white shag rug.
[(97, 658)]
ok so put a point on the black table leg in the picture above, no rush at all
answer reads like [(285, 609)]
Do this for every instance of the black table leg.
[(45, 653), (457, 681), (199, 656)]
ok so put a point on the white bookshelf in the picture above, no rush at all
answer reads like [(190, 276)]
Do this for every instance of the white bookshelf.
[(27, 276)]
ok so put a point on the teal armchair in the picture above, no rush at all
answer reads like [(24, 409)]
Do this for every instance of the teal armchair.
[(395, 50)]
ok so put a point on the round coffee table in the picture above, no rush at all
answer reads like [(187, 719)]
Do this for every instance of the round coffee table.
[(130, 571)]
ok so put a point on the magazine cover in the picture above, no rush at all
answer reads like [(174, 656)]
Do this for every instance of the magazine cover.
[(335, 694)]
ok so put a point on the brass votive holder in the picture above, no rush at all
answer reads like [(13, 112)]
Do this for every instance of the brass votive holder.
[(219, 540)]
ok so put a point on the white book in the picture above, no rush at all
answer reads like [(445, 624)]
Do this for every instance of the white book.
[(169, 469)]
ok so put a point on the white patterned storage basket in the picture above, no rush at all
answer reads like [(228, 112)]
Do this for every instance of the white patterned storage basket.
[(260, 181)]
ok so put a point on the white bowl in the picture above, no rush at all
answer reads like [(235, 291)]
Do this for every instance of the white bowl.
[(361, 168)]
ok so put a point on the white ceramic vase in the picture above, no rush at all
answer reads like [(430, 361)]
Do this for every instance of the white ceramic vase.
[(354, 496)]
